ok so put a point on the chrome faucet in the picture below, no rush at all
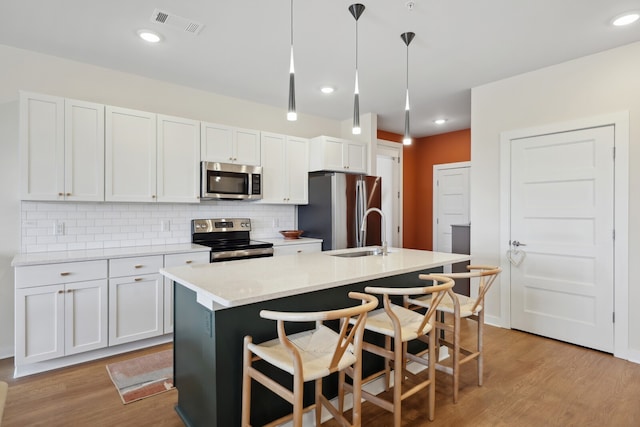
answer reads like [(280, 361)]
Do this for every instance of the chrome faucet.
[(384, 227)]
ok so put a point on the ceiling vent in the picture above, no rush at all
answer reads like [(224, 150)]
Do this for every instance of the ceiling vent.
[(175, 21)]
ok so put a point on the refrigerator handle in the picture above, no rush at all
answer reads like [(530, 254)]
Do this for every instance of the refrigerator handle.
[(360, 207)]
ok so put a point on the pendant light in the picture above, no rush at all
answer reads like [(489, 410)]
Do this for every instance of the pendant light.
[(356, 10), (291, 113), (407, 38)]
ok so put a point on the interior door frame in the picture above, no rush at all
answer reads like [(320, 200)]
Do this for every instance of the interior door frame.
[(620, 121), (435, 202)]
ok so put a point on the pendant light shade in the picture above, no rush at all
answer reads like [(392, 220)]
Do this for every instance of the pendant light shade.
[(356, 10), (407, 38), (291, 112)]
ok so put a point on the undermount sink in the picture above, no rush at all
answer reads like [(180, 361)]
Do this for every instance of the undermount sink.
[(359, 253)]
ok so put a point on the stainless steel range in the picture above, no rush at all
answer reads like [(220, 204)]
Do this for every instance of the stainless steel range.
[(228, 239)]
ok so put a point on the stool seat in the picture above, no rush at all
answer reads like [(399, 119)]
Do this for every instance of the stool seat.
[(409, 321), (468, 306), (316, 349)]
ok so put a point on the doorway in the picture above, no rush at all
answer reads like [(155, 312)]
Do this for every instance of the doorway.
[(389, 167), (565, 198), (450, 201)]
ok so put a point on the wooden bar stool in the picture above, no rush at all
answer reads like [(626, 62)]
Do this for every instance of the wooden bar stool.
[(309, 356), (399, 326), (461, 306)]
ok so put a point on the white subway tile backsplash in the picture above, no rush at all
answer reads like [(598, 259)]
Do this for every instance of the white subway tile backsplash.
[(112, 225)]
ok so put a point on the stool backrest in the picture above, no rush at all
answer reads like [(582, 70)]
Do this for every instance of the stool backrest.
[(349, 336), (486, 275)]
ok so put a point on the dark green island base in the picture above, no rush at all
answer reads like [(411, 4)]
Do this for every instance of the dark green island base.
[(208, 352)]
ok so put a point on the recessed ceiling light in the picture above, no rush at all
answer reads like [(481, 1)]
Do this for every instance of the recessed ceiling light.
[(327, 89), (440, 121), (149, 36), (625, 19)]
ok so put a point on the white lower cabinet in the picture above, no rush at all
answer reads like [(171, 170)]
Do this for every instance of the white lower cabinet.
[(297, 248), (136, 302), (66, 315), (176, 260)]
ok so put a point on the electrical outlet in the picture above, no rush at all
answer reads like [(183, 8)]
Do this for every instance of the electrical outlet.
[(165, 225), (276, 223), (58, 228)]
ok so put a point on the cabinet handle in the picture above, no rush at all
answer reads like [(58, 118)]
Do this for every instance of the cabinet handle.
[(138, 266), (138, 279), (65, 273), (299, 251), (61, 291), (153, 196), (188, 261), (69, 290), (60, 194), (68, 194)]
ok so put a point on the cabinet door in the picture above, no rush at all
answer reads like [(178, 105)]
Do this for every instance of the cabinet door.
[(39, 324), (333, 150), (355, 156), (178, 173), (247, 147), (130, 155), (216, 143), (175, 260), (297, 249), (84, 151), (86, 316), (274, 168), (297, 169), (135, 308), (41, 147)]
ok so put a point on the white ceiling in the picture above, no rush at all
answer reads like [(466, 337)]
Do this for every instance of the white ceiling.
[(243, 48)]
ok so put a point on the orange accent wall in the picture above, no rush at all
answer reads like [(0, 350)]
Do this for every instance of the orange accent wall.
[(419, 159)]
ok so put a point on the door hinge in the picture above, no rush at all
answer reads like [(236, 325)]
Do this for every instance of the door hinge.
[(398, 229), (398, 159), (614, 316), (437, 220), (614, 153), (614, 234), (398, 194)]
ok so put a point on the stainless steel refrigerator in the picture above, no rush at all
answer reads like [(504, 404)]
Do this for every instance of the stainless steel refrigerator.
[(337, 203)]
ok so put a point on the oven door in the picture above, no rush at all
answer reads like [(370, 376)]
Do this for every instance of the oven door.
[(230, 181)]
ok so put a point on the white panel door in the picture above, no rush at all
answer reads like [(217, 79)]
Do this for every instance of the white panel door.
[(451, 202), (86, 316), (562, 210), (130, 155), (84, 151), (178, 173), (388, 167), (41, 147), (135, 308)]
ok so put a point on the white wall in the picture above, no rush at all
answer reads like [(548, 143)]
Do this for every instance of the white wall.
[(25, 70), (591, 86)]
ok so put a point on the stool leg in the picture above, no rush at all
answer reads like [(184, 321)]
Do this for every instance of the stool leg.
[(480, 320), (387, 369), (432, 373), (456, 357), (298, 392), (318, 402), (398, 349), (246, 383)]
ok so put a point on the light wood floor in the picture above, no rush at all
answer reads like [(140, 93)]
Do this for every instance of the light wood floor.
[(529, 381)]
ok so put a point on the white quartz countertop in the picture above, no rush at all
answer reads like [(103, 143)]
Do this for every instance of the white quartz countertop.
[(235, 283), (36, 258)]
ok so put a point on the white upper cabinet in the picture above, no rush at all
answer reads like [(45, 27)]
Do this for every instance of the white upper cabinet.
[(83, 151), (284, 169), (61, 148), (130, 155), (337, 154), (225, 144), (178, 162)]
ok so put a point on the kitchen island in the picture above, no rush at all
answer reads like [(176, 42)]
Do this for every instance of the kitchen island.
[(216, 305)]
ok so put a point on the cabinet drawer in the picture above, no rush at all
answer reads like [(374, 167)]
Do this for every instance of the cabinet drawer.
[(176, 260), (65, 272), (297, 249), (120, 267)]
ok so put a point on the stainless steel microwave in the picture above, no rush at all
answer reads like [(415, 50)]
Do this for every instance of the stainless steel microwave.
[(230, 181)]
